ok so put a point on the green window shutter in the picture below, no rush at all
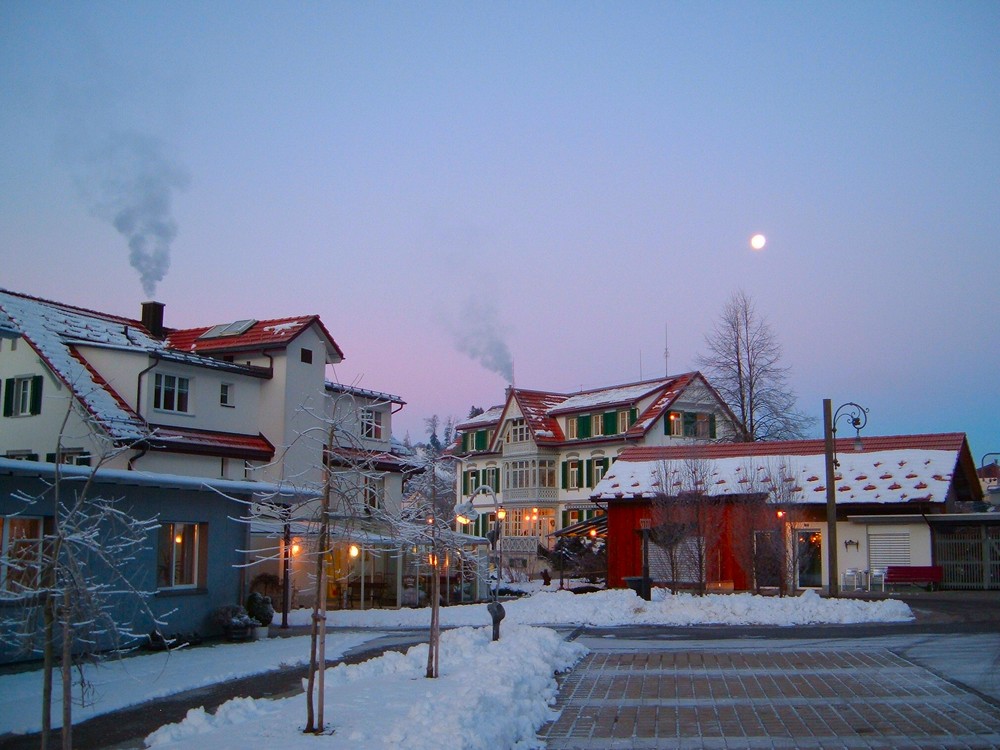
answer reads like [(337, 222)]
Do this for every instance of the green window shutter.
[(8, 398), (583, 427), (565, 474), (633, 415), (482, 477), (481, 440), (36, 395), (610, 423), (465, 442), (711, 426), (83, 460), (50, 458), (32, 456), (465, 483), (565, 519), (590, 472), (496, 480)]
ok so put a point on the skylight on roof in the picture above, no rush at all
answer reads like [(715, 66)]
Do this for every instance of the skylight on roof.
[(228, 329)]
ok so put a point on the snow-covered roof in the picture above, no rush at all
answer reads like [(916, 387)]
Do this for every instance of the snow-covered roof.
[(892, 469), (488, 418), (351, 390), (618, 395), (254, 335)]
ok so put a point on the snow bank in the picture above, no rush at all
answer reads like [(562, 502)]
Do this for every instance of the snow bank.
[(489, 695), (625, 607)]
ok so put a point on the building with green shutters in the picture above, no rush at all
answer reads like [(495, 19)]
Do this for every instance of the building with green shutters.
[(542, 453)]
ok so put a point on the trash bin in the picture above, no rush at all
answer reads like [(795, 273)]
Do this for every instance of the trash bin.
[(639, 585)]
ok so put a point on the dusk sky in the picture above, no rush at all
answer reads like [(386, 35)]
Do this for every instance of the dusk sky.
[(571, 181)]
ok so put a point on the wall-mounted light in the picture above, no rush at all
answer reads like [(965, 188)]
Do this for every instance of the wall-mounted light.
[(852, 543), (353, 550)]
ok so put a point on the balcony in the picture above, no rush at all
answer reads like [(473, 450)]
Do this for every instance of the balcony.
[(529, 493)]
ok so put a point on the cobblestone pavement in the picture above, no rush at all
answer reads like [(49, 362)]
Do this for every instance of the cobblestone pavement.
[(767, 698)]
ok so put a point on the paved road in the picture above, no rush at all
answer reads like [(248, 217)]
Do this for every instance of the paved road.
[(931, 684)]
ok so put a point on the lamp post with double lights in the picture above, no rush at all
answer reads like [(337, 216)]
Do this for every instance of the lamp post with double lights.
[(857, 415)]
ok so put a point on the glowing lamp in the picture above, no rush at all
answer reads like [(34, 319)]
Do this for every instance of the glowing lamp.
[(353, 550)]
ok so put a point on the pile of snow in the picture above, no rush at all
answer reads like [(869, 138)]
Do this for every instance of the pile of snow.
[(130, 681), (489, 695), (625, 607)]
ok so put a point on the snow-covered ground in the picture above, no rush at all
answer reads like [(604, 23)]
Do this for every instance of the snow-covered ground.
[(489, 694)]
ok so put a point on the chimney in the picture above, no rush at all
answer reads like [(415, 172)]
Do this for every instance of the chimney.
[(152, 318)]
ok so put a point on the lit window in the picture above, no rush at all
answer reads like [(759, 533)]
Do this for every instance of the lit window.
[(227, 394), (676, 424), (179, 550), (20, 552), (371, 424), (170, 393)]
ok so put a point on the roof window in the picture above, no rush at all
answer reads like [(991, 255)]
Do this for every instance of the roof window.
[(228, 329)]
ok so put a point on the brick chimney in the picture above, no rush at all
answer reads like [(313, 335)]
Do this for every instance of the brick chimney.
[(152, 318)]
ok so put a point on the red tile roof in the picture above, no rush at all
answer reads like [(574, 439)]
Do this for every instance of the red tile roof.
[(232, 445), (263, 334)]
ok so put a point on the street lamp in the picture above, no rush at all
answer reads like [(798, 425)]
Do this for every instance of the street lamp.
[(495, 608), (857, 415)]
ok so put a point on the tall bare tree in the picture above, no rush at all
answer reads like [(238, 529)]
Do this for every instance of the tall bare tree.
[(743, 363)]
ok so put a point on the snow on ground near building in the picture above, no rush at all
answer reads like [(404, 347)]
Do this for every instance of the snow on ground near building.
[(127, 682), (489, 695), (478, 677)]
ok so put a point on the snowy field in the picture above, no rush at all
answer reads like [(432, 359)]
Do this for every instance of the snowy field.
[(461, 709)]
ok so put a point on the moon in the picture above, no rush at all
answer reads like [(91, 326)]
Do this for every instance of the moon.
[(758, 241)]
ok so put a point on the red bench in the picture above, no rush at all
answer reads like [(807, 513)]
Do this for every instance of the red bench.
[(928, 575)]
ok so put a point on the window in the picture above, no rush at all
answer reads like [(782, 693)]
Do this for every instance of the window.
[(571, 428), (306, 355), (371, 424), (596, 425), (180, 553), (373, 490), (623, 421), (20, 552), (546, 473), (170, 393), (23, 396), (518, 432), (520, 474), (690, 424), (227, 395), (471, 481), (600, 466), (573, 478), (491, 477), (71, 456), (22, 455)]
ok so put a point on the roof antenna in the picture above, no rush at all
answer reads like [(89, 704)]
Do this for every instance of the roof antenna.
[(666, 350)]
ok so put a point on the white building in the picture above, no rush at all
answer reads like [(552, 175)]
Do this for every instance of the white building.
[(542, 453)]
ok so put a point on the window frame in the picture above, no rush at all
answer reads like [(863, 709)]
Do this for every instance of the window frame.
[(192, 543), (36, 541), (227, 395), (179, 390), (371, 423)]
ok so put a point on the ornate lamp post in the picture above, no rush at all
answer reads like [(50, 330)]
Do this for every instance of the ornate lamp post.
[(465, 513), (858, 417)]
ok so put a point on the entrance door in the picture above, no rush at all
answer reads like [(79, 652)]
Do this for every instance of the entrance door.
[(809, 559)]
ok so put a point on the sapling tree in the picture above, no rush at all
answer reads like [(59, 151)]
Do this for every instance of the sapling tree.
[(69, 595)]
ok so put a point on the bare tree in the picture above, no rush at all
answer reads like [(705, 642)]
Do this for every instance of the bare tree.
[(68, 596), (743, 363)]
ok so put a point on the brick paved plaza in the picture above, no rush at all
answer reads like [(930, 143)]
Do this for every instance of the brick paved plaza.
[(765, 699)]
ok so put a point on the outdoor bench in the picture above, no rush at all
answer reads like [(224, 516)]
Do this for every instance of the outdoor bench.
[(928, 575)]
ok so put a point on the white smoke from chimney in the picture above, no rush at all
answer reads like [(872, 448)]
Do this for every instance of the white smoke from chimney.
[(127, 180), (478, 334)]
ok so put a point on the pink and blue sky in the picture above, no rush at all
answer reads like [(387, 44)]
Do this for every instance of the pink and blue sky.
[(568, 180)]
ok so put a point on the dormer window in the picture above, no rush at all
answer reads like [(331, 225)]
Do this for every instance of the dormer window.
[(517, 432), (171, 393)]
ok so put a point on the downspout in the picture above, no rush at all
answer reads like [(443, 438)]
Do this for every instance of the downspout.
[(138, 406)]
